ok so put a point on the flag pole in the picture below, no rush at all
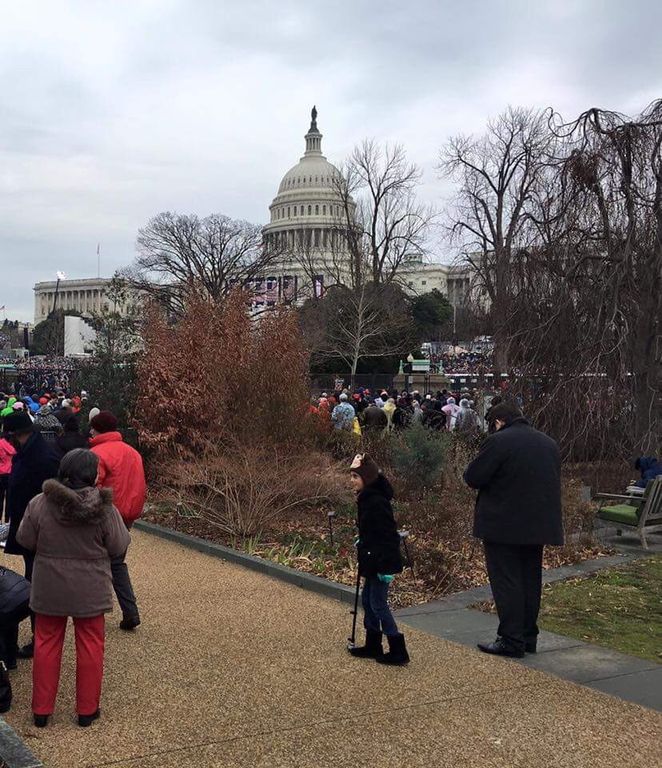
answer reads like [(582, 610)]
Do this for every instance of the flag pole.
[(98, 259)]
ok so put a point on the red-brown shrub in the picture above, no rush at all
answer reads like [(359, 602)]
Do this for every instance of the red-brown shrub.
[(219, 374)]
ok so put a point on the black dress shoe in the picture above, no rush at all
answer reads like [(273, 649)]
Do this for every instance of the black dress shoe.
[(500, 648), (531, 646), (86, 720), (40, 721), (129, 623), (27, 651)]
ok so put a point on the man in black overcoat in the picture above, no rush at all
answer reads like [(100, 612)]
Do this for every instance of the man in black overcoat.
[(518, 511), (34, 463)]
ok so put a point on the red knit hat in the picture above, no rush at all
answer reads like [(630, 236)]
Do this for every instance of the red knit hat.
[(104, 421)]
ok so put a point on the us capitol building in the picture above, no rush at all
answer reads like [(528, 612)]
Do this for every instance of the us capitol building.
[(303, 230)]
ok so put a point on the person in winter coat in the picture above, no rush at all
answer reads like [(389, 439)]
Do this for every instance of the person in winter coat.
[(451, 410), (518, 511), (46, 421), (389, 410), (343, 414), (35, 462), (74, 530), (467, 421), (378, 547), (374, 419), (7, 453), (649, 467), (14, 608), (120, 468), (433, 416), (71, 437)]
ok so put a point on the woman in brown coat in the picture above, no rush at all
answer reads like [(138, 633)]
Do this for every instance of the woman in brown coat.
[(74, 530)]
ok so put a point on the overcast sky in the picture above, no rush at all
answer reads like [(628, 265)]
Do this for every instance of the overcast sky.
[(113, 111)]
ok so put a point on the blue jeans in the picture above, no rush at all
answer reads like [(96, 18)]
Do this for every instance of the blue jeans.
[(377, 615)]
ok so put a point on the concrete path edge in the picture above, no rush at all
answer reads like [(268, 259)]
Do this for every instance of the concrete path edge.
[(299, 578), (14, 753)]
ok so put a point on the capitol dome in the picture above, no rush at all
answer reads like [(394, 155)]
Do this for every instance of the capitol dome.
[(308, 197)]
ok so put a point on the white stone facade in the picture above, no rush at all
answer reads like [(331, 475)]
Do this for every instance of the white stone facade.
[(88, 296)]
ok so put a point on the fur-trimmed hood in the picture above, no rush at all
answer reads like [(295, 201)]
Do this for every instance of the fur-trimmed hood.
[(83, 507)]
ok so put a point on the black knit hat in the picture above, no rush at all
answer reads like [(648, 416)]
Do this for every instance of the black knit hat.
[(365, 468), (17, 422)]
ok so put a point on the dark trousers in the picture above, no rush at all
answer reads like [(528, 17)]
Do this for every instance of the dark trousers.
[(515, 574), (123, 587), (9, 632), (377, 615)]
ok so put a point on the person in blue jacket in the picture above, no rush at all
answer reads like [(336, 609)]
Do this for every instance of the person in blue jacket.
[(649, 467)]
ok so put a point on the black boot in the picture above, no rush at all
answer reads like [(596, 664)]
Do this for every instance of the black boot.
[(501, 648), (27, 651), (372, 648), (397, 651), (129, 623), (5, 689), (40, 721), (86, 720)]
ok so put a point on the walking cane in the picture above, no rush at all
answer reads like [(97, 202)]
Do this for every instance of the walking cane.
[(351, 641), (404, 535)]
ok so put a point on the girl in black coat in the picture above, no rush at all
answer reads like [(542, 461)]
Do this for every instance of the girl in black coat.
[(378, 547)]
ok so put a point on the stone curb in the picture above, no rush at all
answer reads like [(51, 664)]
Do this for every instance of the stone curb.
[(300, 579), (13, 751)]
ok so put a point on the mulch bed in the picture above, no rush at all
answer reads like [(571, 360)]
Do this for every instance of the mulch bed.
[(441, 566)]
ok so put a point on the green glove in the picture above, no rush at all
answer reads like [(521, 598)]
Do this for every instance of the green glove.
[(385, 577)]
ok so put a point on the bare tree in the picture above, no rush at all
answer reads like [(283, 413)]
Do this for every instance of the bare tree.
[(497, 174), (177, 253), (352, 325), (570, 252), (382, 224)]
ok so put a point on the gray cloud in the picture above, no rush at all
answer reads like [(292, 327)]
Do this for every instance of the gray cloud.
[(112, 112)]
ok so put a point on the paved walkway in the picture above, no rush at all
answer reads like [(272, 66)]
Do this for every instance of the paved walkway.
[(627, 677), (232, 668)]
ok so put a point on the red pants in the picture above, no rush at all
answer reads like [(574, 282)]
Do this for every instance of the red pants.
[(48, 642)]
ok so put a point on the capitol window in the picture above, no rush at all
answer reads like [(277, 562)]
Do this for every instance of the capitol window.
[(324, 210), (317, 210), (310, 209), (301, 211)]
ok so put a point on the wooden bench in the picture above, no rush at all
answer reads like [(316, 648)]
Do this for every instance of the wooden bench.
[(643, 513)]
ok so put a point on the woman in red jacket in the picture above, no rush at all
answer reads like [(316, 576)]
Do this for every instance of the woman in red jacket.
[(120, 468)]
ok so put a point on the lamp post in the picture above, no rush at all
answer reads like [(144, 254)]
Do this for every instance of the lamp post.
[(59, 276)]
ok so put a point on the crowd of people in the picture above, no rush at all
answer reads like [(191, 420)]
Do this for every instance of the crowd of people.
[(385, 411), (457, 362), (70, 488)]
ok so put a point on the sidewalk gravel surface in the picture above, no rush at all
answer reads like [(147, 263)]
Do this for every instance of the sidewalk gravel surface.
[(232, 668)]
